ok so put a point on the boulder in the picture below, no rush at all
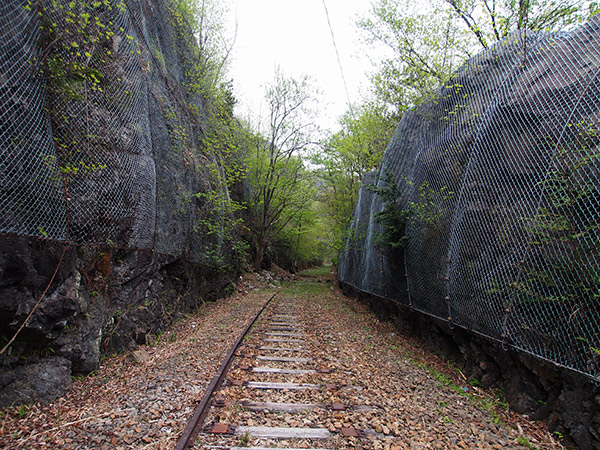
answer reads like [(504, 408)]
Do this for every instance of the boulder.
[(38, 382)]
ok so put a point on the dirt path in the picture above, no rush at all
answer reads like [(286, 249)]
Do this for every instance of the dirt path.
[(416, 399)]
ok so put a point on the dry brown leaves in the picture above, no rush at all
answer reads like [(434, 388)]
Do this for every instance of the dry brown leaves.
[(126, 404), (390, 384), (405, 397)]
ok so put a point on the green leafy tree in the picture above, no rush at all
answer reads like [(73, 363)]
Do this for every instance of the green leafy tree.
[(281, 186), (219, 214), (426, 211), (427, 42), (301, 243), (392, 238), (222, 203), (345, 158), (424, 47), (490, 21), (204, 19)]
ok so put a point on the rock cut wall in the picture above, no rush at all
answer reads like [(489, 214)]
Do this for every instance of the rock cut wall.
[(501, 168), (104, 119), (101, 150)]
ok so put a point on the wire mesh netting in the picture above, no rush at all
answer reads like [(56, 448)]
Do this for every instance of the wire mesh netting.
[(501, 170), (28, 164), (84, 98), (80, 85)]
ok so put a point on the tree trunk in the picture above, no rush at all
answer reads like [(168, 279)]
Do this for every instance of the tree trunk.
[(260, 253)]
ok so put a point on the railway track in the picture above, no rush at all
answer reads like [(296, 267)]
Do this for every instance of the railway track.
[(283, 389), (317, 370), (312, 373)]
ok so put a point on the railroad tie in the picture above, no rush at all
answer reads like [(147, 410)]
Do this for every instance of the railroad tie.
[(255, 448), (283, 359), (278, 389), (277, 327), (276, 385), (284, 433), (282, 349), (280, 407), (283, 371), (281, 333), (289, 341)]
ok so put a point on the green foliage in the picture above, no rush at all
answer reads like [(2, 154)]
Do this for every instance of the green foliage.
[(244, 440), (300, 244), (558, 434), (304, 288), (488, 23), (559, 271), (492, 406), (76, 54), (76, 41), (281, 203), (428, 211), (345, 158), (156, 340), (392, 219), (320, 271), (42, 231), (564, 226), (23, 411), (283, 189), (223, 140), (524, 440), (219, 221), (202, 21), (427, 42), (424, 46), (219, 215)]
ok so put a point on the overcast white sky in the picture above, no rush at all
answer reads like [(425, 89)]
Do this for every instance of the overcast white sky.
[(294, 35)]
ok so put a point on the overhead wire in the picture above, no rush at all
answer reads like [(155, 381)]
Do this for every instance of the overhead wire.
[(337, 54)]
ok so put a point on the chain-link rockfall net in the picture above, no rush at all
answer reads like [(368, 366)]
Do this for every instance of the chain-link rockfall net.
[(97, 140), (501, 170)]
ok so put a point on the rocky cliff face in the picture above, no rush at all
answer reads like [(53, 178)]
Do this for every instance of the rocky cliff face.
[(500, 170), (102, 149)]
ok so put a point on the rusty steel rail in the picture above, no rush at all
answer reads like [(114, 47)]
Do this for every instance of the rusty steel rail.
[(195, 423)]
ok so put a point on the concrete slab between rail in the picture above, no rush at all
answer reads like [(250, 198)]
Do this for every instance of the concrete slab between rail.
[(289, 341), (215, 447), (279, 333)]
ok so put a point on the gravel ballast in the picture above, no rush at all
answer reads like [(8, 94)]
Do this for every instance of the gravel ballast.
[(411, 399)]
